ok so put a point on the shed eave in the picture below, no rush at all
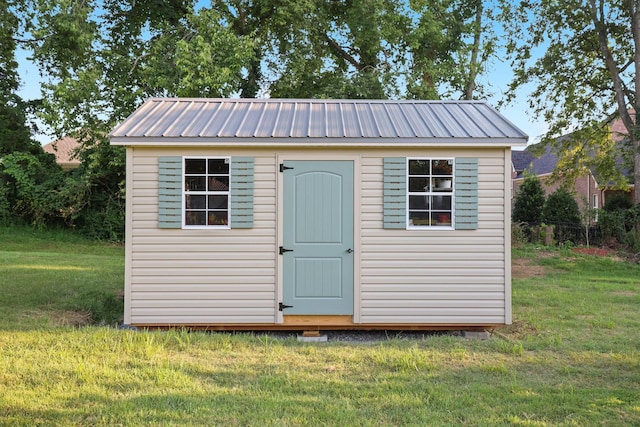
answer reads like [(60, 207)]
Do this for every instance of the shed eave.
[(161, 141)]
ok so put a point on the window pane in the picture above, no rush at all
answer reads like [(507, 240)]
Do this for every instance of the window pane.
[(443, 184), (194, 166), (419, 202), (195, 218), (442, 203), (218, 202), (218, 183), (218, 218), (442, 167), (418, 185), (218, 166), (442, 218), (194, 183), (418, 167), (419, 218), (195, 202)]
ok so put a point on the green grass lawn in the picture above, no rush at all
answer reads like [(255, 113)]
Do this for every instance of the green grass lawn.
[(572, 356)]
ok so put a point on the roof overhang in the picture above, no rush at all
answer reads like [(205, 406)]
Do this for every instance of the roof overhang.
[(317, 142)]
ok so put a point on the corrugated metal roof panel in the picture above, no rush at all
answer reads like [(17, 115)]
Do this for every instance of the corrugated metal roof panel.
[(347, 116), (214, 119)]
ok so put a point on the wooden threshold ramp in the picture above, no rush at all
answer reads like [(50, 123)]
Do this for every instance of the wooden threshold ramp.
[(310, 323)]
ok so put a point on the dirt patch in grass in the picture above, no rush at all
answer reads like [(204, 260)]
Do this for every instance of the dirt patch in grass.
[(71, 318), (517, 330), (521, 268), (594, 251), (624, 293)]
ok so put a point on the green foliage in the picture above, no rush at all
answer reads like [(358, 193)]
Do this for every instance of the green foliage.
[(32, 188), (518, 234), (617, 202), (561, 207), (9, 80), (621, 227), (576, 56), (98, 208), (529, 200), (14, 133)]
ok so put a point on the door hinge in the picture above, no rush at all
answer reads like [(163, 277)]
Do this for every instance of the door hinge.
[(282, 306), (284, 168), (283, 250)]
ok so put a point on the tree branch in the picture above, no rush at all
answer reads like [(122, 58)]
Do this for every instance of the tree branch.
[(26, 41), (342, 53)]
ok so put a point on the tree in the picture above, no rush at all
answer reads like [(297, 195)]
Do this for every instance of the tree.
[(529, 200), (29, 178), (451, 42), (14, 133), (586, 76), (101, 59), (363, 48)]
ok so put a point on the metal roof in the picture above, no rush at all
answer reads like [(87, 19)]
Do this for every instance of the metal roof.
[(200, 120)]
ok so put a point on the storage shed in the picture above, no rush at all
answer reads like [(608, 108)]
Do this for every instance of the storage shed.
[(317, 214)]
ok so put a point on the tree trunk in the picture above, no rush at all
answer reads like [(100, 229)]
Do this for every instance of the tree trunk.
[(470, 85), (631, 124), (634, 132)]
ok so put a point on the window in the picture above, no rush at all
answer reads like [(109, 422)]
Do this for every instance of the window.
[(430, 193), (206, 192), (595, 208)]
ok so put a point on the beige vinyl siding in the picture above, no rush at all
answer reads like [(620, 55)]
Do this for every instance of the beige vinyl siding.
[(434, 276), (225, 276), (201, 276)]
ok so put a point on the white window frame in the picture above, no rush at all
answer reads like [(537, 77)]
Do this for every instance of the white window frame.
[(206, 193), (431, 192)]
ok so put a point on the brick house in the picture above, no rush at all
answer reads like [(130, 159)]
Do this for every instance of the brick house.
[(586, 187)]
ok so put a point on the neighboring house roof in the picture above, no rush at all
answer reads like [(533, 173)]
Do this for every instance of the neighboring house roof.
[(523, 160), (320, 121), (64, 150)]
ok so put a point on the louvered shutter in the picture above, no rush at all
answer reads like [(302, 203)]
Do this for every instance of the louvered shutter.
[(466, 187), (169, 192), (395, 192), (242, 192)]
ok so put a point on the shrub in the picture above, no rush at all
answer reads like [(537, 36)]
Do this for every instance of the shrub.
[(561, 207), (621, 226), (617, 202), (528, 201), (31, 186), (519, 234)]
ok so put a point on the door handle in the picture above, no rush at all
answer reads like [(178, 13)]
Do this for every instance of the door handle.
[(349, 250)]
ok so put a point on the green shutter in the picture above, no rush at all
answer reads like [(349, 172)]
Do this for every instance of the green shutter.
[(395, 192), (466, 187), (169, 192), (242, 192)]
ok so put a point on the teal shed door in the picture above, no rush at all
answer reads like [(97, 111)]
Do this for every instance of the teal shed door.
[(318, 237)]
